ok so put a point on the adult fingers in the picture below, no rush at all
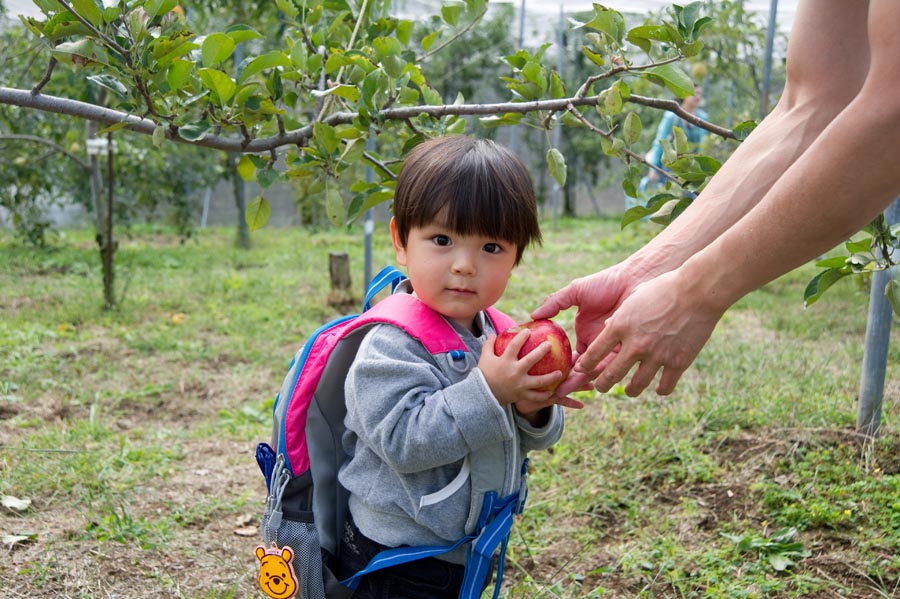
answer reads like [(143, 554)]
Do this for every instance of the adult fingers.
[(599, 348), (577, 381), (641, 379), (570, 402), (615, 371), (554, 303), (669, 379)]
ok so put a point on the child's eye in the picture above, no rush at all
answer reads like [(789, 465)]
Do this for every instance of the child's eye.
[(493, 248), (441, 240)]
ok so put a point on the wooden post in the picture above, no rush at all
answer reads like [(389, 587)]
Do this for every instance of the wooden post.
[(341, 296), (878, 335)]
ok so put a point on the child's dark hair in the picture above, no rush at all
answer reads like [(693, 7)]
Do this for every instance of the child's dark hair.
[(478, 187)]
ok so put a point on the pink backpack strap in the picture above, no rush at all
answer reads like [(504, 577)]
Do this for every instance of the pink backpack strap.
[(418, 320), (423, 323), (500, 320)]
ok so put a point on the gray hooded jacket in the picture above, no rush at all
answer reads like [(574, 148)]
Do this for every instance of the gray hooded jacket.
[(427, 438)]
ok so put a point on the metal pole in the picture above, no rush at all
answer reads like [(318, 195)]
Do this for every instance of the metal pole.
[(878, 336), (557, 130), (514, 132), (368, 221), (767, 69)]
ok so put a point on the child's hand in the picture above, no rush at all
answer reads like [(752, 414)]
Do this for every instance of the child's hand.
[(508, 377)]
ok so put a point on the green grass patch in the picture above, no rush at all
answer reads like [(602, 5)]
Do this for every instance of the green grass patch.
[(132, 430)]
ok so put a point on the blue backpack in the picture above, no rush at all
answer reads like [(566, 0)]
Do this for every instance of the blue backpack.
[(306, 506)]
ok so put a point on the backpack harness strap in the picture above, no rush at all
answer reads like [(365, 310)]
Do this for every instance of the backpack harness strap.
[(493, 531)]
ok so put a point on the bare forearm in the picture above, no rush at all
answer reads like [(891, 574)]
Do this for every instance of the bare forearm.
[(739, 185), (840, 184)]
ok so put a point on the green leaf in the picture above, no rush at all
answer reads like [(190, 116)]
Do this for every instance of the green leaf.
[(405, 31), (270, 60), (892, 292), (159, 136), (450, 13), (326, 137), (609, 22), (81, 53), (633, 128), (288, 8), (89, 10), (368, 196), (349, 92), (194, 131), (393, 66), (428, 40), (334, 204), (643, 36), (820, 283), (431, 96), (742, 130), (179, 73), (557, 164), (266, 176), (216, 48), (221, 85), (258, 213), (594, 57), (110, 83), (242, 33), (680, 140), (612, 147), (672, 78), (609, 102), (159, 7), (246, 169), (835, 262)]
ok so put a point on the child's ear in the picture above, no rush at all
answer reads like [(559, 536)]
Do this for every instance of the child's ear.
[(399, 248)]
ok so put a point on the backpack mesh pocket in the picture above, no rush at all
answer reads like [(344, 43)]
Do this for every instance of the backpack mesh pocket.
[(286, 523)]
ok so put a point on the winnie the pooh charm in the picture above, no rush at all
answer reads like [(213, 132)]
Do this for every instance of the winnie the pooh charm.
[(277, 578)]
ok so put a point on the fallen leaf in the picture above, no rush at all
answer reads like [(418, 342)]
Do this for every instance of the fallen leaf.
[(247, 531), (14, 503)]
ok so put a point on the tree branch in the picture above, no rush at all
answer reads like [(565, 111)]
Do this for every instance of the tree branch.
[(55, 146), (673, 106), (106, 116), (46, 78), (631, 155)]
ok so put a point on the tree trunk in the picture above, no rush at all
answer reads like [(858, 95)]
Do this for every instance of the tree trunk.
[(108, 242), (240, 201)]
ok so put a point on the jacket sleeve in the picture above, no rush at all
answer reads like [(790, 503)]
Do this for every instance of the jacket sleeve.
[(402, 407), (534, 438)]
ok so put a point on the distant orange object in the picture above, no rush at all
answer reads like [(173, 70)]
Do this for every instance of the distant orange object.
[(178, 10)]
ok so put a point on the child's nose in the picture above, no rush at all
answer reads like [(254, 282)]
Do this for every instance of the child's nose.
[(463, 264)]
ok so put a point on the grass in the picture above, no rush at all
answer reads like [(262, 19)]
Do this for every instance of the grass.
[(132, 431)]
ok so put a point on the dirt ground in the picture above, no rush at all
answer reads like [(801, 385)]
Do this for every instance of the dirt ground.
[(213, 557)]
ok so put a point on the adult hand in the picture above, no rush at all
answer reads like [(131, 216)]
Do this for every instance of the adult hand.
[(597, 297), (660, 325)]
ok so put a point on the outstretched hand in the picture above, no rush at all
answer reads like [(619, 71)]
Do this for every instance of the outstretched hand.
[(597, 297), (658, 327)]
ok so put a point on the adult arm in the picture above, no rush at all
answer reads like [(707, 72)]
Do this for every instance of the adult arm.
[(834, 188), (825, 76)]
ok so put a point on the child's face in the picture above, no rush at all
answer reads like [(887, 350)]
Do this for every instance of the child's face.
[(457, 275)]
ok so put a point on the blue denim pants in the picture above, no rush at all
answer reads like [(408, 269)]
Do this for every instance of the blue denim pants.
[(428, 578)]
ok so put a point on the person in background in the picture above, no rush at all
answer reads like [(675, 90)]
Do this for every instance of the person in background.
[(815, 171), (693, 133)]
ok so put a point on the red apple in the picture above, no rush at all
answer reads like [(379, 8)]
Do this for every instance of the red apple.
[(558, 358)]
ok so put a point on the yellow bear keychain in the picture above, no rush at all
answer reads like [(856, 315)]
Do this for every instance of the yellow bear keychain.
[(277, 578)]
